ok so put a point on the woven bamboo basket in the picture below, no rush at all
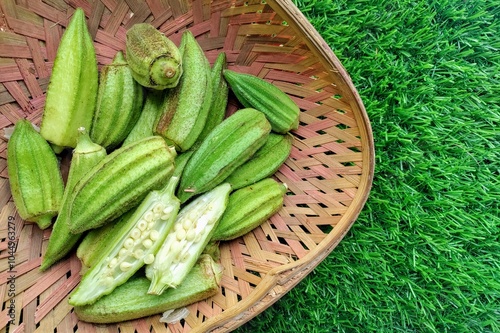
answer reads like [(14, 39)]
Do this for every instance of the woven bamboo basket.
[(329, 172)]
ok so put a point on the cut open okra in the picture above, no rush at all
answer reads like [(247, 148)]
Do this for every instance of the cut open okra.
[(134, 245), (187, 239)]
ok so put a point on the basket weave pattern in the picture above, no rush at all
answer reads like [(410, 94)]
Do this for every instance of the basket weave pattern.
[(328, 172)]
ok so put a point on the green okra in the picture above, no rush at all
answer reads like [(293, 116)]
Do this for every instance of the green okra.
[(227, 146), (72, 91), (155, 60), (257, 93), (131, 300), (144, 126), (35, 179), (120, 182), (61, 241), (119, 103), (264, 163), (186, 106), (249, 207), (217, 110), (130, 247)]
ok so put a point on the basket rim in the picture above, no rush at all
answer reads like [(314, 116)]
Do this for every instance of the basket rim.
[(303, 266), (281, 279)]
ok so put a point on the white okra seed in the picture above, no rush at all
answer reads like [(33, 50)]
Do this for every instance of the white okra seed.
[(180, 234), (154, 235), (135, 233), (158, 208), (190, 235), (129, 242), (165, 217), (108, 280), (149, 259), (112, 263), (197, 238), (187, 224), (123, 252), (147, 243), (125, 266), (168, 209), (178, 226), (148, 216), (142, 225), (138, 253)]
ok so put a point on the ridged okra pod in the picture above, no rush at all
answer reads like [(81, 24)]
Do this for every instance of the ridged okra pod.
[(119, 104), (72, 90), (120, 182), (61, 241), (187, 239), (264, 163), (130, 247), (227, 146), (187, 105), (154, 59), (131, 300), (151, 109), (257, 93), (35, 179), (217, 110), (249, 207)]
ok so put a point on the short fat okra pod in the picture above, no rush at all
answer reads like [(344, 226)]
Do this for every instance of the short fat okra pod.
[(35, 178), (154, 59), (127, 251)]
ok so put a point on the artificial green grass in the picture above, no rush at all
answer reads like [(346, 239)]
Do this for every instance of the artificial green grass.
[(424, 254)]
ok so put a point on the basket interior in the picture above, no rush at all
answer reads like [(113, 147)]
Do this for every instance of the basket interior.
[(327, 174)]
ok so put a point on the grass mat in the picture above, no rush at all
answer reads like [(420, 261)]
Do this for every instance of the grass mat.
[(424, 254)]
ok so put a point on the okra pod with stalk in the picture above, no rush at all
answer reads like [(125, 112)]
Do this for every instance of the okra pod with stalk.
[(130, 247), (61, 241), (187, 239), (131, 300), (120, 182), (154, 59)]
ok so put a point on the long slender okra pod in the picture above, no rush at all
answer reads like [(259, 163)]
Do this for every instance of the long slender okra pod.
[(85, 156)]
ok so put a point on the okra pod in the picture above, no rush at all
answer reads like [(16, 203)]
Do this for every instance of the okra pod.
[(131, 300)]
